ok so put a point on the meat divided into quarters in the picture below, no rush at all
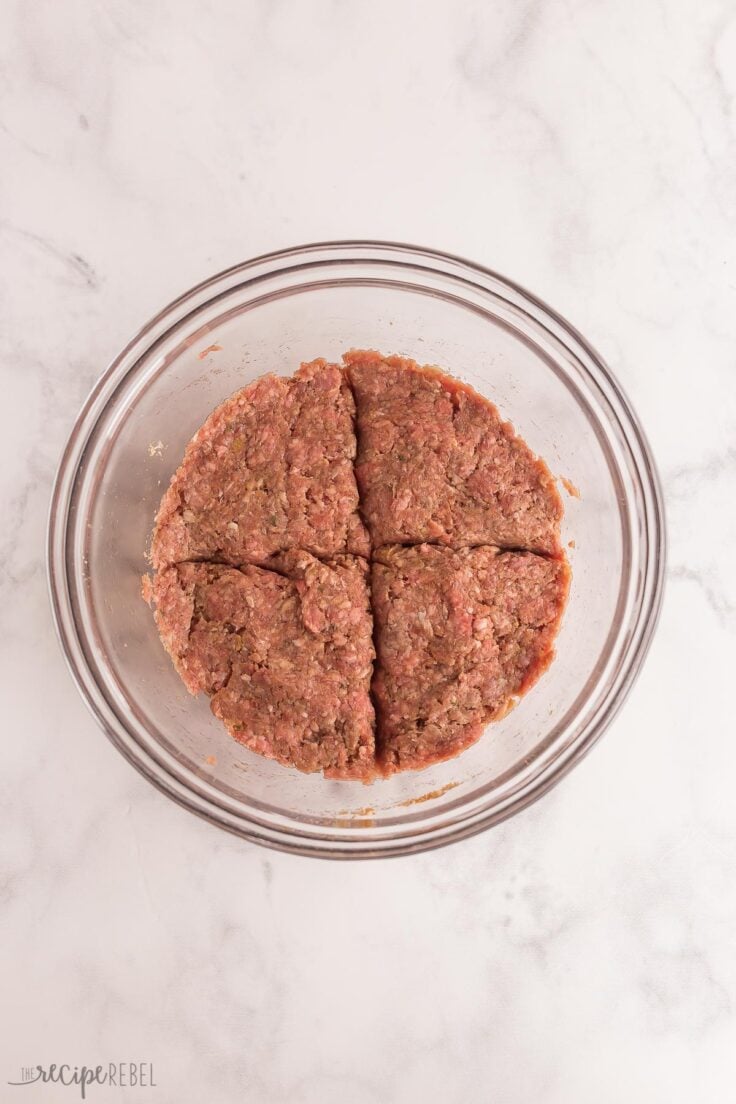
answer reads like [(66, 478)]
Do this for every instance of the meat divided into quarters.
[(377, 505)]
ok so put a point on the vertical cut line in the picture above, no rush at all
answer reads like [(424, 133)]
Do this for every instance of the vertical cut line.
[(378, 727)]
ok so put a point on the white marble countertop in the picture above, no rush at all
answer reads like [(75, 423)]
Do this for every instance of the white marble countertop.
[(586, 148)]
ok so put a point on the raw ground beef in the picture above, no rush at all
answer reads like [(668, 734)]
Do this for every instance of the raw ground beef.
[(267, 581), (286, 658), (270, 469), (437, 463), (459, 633)]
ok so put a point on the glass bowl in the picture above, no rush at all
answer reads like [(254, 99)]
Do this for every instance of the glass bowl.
[(268, 315)]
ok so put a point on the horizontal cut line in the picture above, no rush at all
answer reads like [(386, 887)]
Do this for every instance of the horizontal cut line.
[(263, 565), (517, 549)]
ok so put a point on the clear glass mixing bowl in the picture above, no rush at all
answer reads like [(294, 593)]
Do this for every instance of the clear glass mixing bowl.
[(268, 315)]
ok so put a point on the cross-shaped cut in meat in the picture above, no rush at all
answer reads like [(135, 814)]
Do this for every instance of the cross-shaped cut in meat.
[(265, 597)]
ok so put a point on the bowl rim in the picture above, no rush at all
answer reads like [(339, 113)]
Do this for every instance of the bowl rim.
[(300, 841)]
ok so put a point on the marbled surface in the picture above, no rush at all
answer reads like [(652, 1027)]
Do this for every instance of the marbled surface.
[(586, 148)]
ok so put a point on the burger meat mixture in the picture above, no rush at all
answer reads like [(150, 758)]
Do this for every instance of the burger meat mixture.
[(360, 565)]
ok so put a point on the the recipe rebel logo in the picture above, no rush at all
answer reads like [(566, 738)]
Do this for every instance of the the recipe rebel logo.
[(123, 1075)]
